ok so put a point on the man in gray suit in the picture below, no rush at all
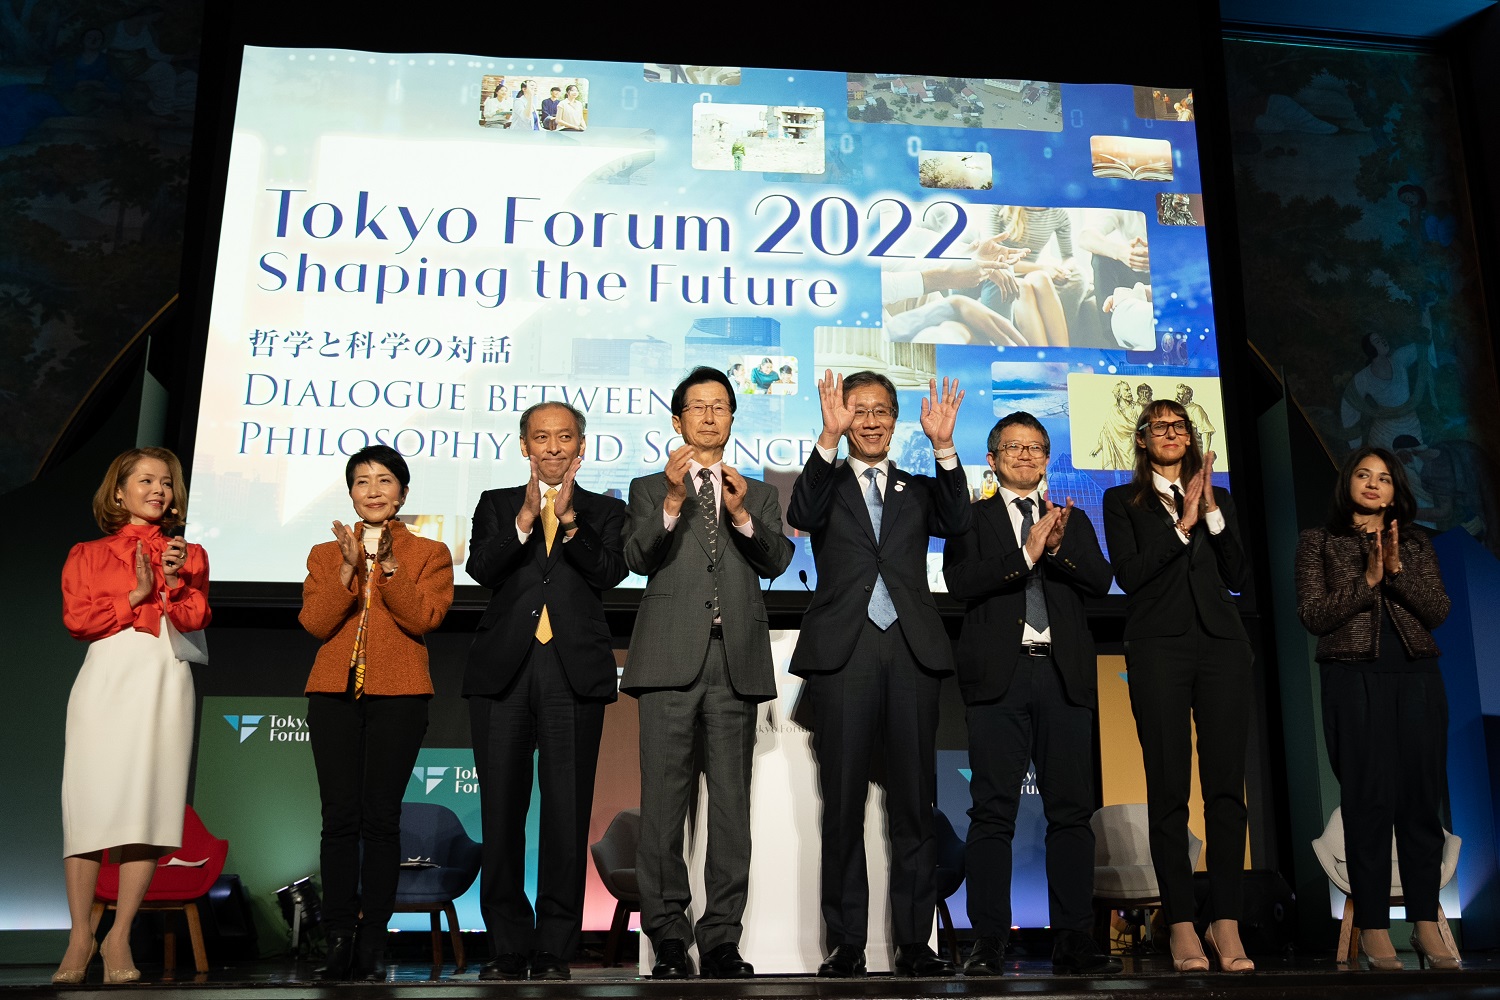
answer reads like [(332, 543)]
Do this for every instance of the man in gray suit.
[(699, 662)]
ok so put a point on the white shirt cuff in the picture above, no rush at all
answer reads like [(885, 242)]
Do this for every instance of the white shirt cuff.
[(1215, 521), (948, 464), (524, 536), (829, 454), (669, 521)]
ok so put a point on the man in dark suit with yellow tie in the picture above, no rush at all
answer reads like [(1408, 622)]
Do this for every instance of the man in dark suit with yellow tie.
[(1028, 675), (539, 674), (873, 651)]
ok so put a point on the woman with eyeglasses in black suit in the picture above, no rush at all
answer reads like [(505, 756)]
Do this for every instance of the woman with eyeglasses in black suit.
[(1175, 546)]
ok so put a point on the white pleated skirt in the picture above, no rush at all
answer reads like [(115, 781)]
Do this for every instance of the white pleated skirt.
[(129, 745)]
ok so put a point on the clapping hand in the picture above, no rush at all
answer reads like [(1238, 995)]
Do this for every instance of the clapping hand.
[(384, 553), (145, 579), (1391, 550), (679, 463), (1055, 533), (531, 503), (940, 413), (1374, 559), (353, 550), (733, 494), (1039, 540), (838, 415), (562, 504)]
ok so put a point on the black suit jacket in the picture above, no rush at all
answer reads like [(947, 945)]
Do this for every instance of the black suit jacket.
[(568, 580), (986, 569), (828, 503), (1168, 584)]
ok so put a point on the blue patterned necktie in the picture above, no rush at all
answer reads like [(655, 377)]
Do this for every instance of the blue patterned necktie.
[(1036, 597), (882, 609), (709, 513)]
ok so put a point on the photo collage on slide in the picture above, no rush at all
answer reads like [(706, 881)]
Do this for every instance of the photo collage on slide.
[(617, 224)]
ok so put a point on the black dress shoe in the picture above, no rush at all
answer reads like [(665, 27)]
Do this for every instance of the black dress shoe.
[(672, 961), (545, 965), (986, 958), (369, 957), (507, 966), (340, 957), (846, 962), (919, 962), (724, 962), (1076, 953)]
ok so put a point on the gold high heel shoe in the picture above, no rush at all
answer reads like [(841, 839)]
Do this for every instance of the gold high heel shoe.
[(73, 977), (1241, 963), (116, 977), (1447, 963)]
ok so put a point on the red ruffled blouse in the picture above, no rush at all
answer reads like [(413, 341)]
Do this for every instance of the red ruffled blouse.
[(99, 575)]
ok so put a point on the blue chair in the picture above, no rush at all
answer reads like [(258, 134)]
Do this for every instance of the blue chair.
[(950, 875), (439, 863)]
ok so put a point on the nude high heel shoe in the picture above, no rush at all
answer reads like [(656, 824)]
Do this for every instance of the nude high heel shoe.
[(1438, 962), (73, 977), (1239, 964), (116, 977)]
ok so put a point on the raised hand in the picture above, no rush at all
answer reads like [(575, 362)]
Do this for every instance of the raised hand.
[(733, 494), (1391, 550), (1055, 535), (678, 465), (531, 505), (145, 578), (838, 415), (940, 413), (1138, 255), (562, 504)]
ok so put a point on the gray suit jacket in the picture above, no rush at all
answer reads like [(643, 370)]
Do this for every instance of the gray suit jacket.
[(671, 634)]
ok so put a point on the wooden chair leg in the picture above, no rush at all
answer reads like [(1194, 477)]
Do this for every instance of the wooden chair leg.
[(1348, 953), (437, 938), (617, 928), (459, 963), (168, 942), (195, 935), (96, 914)]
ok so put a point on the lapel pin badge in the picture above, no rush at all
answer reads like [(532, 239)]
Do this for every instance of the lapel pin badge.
[(900, 486)]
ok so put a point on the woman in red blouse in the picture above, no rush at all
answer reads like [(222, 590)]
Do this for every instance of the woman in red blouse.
[(130, 714)]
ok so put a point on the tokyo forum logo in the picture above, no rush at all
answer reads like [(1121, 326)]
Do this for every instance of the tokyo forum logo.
[(278, 728)]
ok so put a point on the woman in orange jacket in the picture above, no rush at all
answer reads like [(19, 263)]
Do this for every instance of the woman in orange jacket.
[(370, 596)]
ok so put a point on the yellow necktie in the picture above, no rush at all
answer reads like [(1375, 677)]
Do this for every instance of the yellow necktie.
[(549, 532)]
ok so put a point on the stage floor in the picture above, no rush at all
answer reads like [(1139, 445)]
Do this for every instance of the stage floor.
[(1285, 980)]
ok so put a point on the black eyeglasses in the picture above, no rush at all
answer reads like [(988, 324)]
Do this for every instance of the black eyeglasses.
[(1159, 428)]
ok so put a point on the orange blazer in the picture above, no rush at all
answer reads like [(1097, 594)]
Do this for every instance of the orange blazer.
[(99, 575), (404, 607)]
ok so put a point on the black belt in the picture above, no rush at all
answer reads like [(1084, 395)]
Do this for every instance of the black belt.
[(1036, 649), (716, 630)]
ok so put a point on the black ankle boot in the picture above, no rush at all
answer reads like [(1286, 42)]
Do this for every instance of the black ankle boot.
[(340, 959), (369, 955)]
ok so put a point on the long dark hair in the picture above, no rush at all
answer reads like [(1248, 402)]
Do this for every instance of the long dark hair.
[(1192, 458), (1341, 509)]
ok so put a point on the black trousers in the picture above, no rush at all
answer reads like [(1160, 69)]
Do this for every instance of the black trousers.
[(1176, 683), (1387, 736), (364, 749), (706, 726), (538, 718), (1033, 721), (879, 706)]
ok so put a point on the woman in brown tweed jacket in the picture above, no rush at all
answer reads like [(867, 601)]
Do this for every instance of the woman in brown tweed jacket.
[(370, 597), (1368, 587)]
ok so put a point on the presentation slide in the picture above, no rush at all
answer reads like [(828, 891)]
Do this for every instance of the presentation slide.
[(416, 248)]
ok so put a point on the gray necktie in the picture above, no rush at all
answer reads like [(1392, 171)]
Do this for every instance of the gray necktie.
[(708, 513), (882, 609), (1036, 597)]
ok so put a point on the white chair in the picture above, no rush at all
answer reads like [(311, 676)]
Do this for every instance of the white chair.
[(1331, 855), (1124, 878)]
